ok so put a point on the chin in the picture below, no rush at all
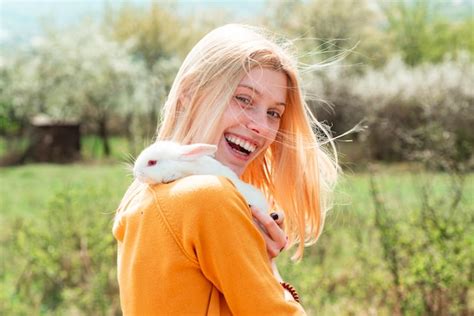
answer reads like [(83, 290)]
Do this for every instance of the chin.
[(238, 169)]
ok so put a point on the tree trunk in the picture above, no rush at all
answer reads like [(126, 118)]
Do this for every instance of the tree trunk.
[(103, 134), (129, 132)]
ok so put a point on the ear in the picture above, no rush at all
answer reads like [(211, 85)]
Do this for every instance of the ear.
[(194, 151)]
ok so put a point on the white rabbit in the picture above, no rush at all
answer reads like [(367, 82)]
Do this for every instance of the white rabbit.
[(166, 161)]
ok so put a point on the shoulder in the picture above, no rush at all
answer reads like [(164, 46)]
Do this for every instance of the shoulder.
[(196, 187), (199, 193), (200, 184), (202, 207)]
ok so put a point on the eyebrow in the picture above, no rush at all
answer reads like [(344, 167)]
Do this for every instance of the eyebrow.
[(258, 92)]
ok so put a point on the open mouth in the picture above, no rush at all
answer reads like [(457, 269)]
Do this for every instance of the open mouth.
[(240, 145)]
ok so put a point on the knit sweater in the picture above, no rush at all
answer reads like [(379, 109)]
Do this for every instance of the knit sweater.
[(190, 247)]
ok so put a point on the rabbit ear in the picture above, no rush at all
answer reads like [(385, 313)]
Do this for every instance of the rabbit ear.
[(194, 151)]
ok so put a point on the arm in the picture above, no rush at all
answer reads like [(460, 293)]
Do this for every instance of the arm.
[(272, 231), (271, 228), (233, 256)]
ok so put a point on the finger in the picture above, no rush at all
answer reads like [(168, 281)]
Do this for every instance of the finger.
[(272, 228), (273, 249), (260, 226), (279, 218)]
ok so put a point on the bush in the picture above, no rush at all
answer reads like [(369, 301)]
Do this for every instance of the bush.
[(409, 253), (63, 262), (60, 258), (422, 113), (428, 252)]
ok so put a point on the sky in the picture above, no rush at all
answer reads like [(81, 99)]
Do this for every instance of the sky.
[(21, 20)]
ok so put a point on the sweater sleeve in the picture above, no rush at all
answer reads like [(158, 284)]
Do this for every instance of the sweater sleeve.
[(231, 251)]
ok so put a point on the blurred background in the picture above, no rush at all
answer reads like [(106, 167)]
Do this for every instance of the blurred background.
[(81, 86)]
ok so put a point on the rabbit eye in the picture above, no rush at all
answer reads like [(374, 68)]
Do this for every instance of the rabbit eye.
[(151, 163)]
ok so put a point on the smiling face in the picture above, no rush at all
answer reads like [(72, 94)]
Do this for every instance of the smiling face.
[(252, 119)]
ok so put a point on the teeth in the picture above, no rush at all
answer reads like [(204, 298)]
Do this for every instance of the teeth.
[(243, 143)]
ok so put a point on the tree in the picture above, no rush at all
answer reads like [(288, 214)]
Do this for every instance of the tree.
[(158, 31), (79, 73), (155, 31), (11, 122), (161, 39), (330, 30), (422, 34)]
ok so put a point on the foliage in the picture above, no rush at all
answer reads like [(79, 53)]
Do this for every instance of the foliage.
[(421, 113), (407, 255), (64, 253), (141, 125), (435, 35), (429, 254), (410, 255), (154, 30), (10, 122), (329, 30), (77, 74), (369, 33), (342, 25), (157, 31), (119, 73), (161, 38), (92, 150), (64, 262), (31, 187)]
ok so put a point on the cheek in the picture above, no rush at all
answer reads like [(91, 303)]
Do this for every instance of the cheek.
[(272, 131), (270, 137), (231, 116), (225, 119)]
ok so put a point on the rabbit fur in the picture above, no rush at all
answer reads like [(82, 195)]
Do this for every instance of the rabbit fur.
[(166, 161)]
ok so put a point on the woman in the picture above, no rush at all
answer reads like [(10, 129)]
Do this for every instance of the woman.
[(192, 246)]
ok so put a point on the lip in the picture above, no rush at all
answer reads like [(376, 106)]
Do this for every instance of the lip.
[(251, 141), (235, 154)]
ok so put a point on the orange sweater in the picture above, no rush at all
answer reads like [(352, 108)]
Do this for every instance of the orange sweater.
[(190, 248)]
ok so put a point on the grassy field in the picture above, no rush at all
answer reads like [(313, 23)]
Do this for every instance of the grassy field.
[(345, 273), (26, 190)]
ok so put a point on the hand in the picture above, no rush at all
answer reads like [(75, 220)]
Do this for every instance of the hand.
[(272, 230)]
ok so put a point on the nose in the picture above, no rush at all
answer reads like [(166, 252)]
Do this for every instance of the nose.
[(258, 123)]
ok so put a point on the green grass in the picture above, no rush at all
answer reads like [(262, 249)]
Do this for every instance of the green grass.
[(399, 186), (17, 145), (343, 274), (91, 147), (26, 190)]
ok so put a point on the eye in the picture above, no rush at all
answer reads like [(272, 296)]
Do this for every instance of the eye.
[(243, 99), (151, 163), (274, 114)]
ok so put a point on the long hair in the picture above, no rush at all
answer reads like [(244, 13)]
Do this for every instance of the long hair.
[(295, 172)]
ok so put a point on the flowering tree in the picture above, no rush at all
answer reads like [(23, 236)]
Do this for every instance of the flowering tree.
[(81, 74), (421, 112)]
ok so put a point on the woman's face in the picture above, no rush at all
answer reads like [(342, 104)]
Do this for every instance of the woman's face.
[(251, 121)]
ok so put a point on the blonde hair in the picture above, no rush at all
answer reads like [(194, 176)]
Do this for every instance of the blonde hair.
[(295, 172)]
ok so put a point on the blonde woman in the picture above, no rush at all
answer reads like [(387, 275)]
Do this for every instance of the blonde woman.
[(193, 246)]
